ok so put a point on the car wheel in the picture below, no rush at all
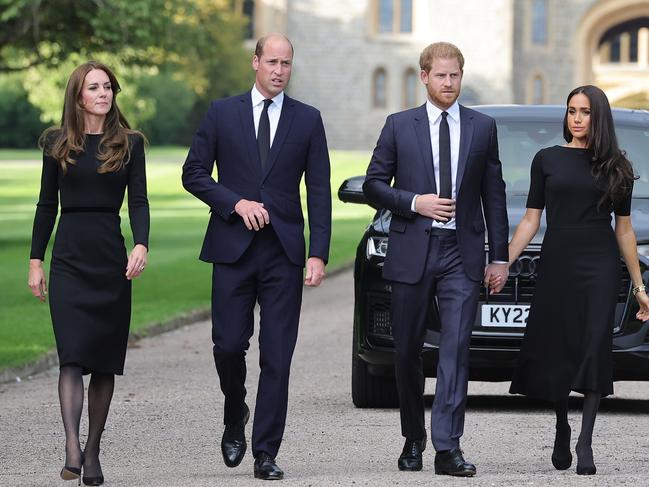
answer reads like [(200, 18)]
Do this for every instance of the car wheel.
[(372, 391)]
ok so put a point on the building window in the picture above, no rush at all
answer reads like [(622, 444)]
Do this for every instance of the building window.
[(538, 94), (394, 16), (406, 16), (247, 9), (379, 88), (386, 16), (410, 83), (539, 21)]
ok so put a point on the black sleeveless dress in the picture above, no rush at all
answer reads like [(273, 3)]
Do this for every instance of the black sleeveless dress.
[(89, 295), (569, 334)]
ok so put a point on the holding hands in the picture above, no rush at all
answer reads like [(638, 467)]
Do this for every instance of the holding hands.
[(643, 301), (495, 277)]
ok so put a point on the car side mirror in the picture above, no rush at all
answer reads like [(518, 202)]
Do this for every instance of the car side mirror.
[(351, 191)]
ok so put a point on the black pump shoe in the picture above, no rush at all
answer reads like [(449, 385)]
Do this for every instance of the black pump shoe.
[(99, 480), (561, 455)]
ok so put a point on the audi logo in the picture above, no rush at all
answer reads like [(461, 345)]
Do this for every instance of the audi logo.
[(525, 266)]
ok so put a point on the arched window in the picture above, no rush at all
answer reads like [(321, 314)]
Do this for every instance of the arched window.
[(379, 88), (627, 42), (539, 21), (410, 82)]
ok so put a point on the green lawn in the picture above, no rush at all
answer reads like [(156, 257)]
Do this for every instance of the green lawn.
[(175, 280)]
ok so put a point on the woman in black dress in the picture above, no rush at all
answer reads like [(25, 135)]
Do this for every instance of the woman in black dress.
[(569, 334), (88, 163)]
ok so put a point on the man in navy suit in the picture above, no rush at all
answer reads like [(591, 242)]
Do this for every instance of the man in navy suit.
[(262, 142), (443, 159)]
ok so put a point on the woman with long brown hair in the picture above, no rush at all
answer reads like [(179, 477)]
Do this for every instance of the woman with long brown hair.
[(88, 162), (569, 334)]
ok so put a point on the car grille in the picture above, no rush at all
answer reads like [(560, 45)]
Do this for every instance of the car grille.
[(521, 283), (379, 315)]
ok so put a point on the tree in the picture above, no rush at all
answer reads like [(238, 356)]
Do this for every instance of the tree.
[(34, 32)]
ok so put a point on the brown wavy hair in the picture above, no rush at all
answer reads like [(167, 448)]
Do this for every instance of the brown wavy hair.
[(610, 166), (65, 142)]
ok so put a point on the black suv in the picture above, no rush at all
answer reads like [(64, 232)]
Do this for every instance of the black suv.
[(500, 319)]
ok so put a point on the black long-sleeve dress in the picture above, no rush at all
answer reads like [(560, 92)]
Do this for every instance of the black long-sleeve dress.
[(569, 334), (89, 295)]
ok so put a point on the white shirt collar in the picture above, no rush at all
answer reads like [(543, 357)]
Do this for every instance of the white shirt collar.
[(258, 98), (435, 112)]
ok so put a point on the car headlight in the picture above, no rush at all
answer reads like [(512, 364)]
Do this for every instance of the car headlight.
[(376, 247)]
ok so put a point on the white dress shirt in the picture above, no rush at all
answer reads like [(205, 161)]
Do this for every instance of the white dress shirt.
[(274, 111), (453, 119)]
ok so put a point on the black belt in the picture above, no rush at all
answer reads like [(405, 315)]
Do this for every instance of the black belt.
[(89, 209), (441, 232)]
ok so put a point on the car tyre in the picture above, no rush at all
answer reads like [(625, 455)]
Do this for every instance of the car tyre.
[(372, 391)]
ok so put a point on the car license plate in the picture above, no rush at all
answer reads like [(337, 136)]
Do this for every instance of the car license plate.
[(514, 315)]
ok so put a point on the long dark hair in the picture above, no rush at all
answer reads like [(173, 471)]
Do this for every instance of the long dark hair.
[(63, 142), (610, 166)]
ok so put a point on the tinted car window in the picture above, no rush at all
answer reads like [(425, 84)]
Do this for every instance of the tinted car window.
[(519, 141)]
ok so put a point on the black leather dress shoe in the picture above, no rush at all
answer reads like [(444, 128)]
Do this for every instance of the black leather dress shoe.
[(266, 468), (410, 458), (451, 462), (233, 442)]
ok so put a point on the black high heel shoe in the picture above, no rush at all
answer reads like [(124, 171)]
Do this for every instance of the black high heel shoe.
[(585, 462), (99, 480), (95, 479), (561, 455)]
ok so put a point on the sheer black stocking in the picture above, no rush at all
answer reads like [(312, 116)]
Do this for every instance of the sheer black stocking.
[(71, 400), (585, 462), (100, 394), (561, 456)]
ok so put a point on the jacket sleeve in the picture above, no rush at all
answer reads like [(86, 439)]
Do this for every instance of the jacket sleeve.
[(318, 194), (380, 173), (197, 170), (494, 202)]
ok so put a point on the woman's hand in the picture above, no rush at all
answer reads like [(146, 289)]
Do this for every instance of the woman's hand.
[(136, 262), (36, 281), (643, 301)]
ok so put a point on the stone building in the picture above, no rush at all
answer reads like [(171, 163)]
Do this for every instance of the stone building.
[(357, 60)]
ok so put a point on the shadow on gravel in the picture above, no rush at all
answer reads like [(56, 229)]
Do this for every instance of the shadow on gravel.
[(521, 403)]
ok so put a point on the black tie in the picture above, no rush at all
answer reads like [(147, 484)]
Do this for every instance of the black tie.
[(445, 182), (263, 133)]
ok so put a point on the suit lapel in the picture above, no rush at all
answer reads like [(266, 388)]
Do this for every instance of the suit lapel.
[(466, 136), (283, 127), (248, 131), (422, 129)]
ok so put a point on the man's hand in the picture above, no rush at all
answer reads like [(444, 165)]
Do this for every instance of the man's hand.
[(315, 271), (253, 213), (495, 277), (432, 206)]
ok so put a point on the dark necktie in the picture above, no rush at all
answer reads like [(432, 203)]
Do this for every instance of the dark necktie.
[(445, 181), (263, 133)]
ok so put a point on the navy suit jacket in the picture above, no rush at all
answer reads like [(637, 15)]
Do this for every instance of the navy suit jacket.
[(403, 153), (226, 137)]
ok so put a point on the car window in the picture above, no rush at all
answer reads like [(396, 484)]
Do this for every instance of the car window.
[(519, 141)]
